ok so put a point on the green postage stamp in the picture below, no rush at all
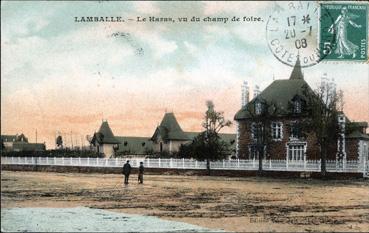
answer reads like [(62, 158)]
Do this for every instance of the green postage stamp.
[(350, 30)]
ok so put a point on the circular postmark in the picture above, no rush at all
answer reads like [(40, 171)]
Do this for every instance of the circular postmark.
[(293, 30)]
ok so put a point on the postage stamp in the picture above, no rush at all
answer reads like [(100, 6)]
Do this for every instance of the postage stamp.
[(293, 29), (350, 28)]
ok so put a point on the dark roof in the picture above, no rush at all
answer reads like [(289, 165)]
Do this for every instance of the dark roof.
[(296, 72), (169, 129), (14, 138), (104, 135), (134, 145), (357, 134), (8, 138), (25, 146), (281, 93)]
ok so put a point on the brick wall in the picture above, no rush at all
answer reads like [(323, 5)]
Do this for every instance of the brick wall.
[(277, 149)]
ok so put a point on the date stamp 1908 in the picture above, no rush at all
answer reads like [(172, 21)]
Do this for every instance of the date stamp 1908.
[(292, 30), (350, 28)]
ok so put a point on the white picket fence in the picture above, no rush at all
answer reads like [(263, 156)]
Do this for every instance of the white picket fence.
[(237, 164)]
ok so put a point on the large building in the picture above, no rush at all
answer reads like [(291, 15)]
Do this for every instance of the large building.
[(289, 97), (167, 137), (19, 142)]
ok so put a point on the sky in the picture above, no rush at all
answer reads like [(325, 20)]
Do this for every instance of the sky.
[(58, 75)]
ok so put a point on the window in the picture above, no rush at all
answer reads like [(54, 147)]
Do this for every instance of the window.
[(297, 106), (256, 130), (277, 130), (254, 153), (296, 152), (253, 131), (295, 130), (258, 108)]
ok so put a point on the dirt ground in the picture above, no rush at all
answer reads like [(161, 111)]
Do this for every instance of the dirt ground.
[(232, 204)]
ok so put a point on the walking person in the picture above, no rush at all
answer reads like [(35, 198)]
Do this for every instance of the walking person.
[(140, 173), (126, 171)]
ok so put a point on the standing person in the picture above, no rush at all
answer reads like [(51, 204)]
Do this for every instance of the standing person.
[(140, 173), (126, 171)]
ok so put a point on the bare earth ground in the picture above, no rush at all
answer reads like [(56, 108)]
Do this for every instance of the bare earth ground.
[(232, 204)]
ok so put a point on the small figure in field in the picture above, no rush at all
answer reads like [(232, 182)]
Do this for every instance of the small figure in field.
[(140, 173), (126, 171)]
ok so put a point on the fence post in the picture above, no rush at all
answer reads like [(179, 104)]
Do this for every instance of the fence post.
[(223, 165), (270, 163), (88, 161), (287, 164), (39, 159), (13, 160), (79, 161), (62, 160), (171, 163), (54, 160), (116, 162), (159, 163), (196, 165), (148, 162), (183, 163), (47, 160), (71, 161), (304, 163), (238, 163), (97, 161)]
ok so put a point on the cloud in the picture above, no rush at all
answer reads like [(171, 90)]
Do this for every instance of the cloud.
[(146, 7)]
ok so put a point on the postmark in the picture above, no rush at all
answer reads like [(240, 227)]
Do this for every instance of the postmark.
[(350, 28), (293, 30)]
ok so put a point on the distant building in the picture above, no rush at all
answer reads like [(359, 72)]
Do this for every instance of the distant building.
[(287, 140), (19, 143), (104, 140), (167, 137)]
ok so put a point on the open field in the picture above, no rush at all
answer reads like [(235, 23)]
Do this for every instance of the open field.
[(232, 204)]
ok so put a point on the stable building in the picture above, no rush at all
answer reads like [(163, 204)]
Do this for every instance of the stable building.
[(19, 142), (288, 142), (167, 137)]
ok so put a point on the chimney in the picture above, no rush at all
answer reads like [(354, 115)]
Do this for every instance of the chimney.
[(256, 91), (245, 94)]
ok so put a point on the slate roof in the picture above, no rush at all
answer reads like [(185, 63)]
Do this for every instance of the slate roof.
[(104, 135), (25, 146), (169, 129), (280, 92), (14, 138), (134, 145), (358, 134), (8, 138)]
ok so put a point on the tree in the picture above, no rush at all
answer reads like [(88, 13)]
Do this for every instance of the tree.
[(262, 114), (208, 145), (323, 106), (59, 142)]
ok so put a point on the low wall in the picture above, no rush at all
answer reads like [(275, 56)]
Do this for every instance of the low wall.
[(167, 171)]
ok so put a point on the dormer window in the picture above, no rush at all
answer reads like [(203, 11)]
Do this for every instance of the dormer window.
[(258, 108), (297, 106)]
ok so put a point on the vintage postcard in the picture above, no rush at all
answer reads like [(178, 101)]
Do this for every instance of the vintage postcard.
[(199, 116)]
